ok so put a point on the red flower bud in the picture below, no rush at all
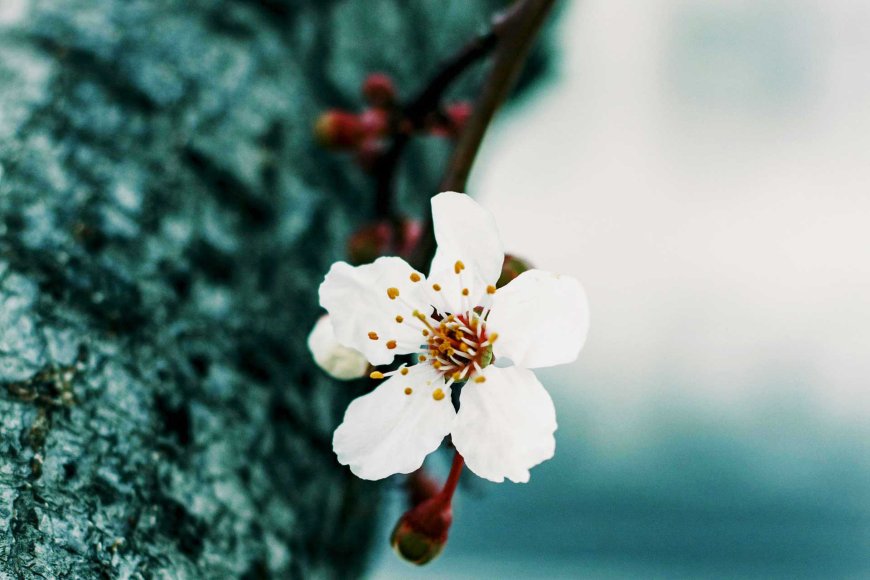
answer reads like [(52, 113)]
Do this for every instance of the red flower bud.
[(422, 531), (412, 231), (338, 129), (369, 243), (378, 89), (374, 122), (458, 113), (510, 269)]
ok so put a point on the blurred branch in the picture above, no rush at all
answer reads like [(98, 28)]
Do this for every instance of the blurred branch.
[(515, 32), (416, 112)]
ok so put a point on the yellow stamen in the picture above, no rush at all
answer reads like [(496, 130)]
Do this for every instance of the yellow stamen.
[(455, 376), (436, 287), (404, 370), (438, 394), (490, 289), (392, 293), (479, 379), (458, 266), (408, 390), (376, 375), (421, 358), (465, 291), (373, 335), (415, 277), (391, 344), (493, 337), (400, 319)]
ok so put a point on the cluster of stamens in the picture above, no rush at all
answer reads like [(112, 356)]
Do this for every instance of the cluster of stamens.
[(457, 345)]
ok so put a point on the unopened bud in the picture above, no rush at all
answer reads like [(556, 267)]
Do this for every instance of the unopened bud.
[(379, 90), (334, 358), (421, 533), (511, 268), (458, 114), (370, 243), (374, 123), (338, 129), (412, 231)]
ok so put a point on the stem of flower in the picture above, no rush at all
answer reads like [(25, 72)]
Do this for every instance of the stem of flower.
[(453, 478), (515, 31)]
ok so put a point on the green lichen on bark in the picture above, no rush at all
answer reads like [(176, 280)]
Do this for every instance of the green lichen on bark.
[(165, 219)]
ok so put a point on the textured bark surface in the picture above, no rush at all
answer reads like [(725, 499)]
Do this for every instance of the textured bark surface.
[(165, 219)]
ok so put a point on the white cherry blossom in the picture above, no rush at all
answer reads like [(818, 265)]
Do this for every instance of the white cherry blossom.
[(334, 358), (454, 324)]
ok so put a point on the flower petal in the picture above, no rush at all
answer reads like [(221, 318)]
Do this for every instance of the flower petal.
[(371, 306), (541, 319), (389, 431), (466, 234), (334, 358), (505, 425)]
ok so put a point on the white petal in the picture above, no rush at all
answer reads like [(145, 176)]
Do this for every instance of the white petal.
[(541, 319), (358, 304), (465, 233), (334, 358), (388, 431), (505, 425)]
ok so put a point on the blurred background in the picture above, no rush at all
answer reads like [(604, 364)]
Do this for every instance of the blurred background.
[(704, 169)]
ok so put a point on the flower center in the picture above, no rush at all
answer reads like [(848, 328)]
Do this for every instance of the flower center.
[(458, 344)]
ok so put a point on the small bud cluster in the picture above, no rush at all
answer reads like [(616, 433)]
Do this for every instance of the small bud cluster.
[(367, 133)]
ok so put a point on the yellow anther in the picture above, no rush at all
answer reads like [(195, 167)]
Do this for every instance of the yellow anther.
[(376, 375), (458, 266), (421, 358), (493, 337), (463, 347), (392, 293), (436, 364), (437, 394), (391, 344), (408, 390), (455, 376), (415, 277), (490, 289), (479, 379), (465, 291), (436, 287), (425, 332), (400, 319), (404, 370), (373, 335)]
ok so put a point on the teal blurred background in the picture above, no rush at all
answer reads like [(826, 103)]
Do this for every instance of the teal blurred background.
[(704, 169)]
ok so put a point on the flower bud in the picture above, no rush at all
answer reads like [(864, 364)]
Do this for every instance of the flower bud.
[(338, 129), (510, 269), (335, 359), (374, 123), (370, 242), (421, 533), (458, 114), (378, 89)]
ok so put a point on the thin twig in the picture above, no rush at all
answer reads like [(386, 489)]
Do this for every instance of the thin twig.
[(515, 31), (416, 112)]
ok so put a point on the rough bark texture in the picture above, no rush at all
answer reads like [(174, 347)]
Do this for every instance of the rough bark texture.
[(165, 219)]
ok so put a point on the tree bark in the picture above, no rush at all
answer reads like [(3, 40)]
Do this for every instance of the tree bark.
[(165, 219)]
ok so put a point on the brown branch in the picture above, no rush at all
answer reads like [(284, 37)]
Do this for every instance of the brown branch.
[(515, 31), (416, 112)]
